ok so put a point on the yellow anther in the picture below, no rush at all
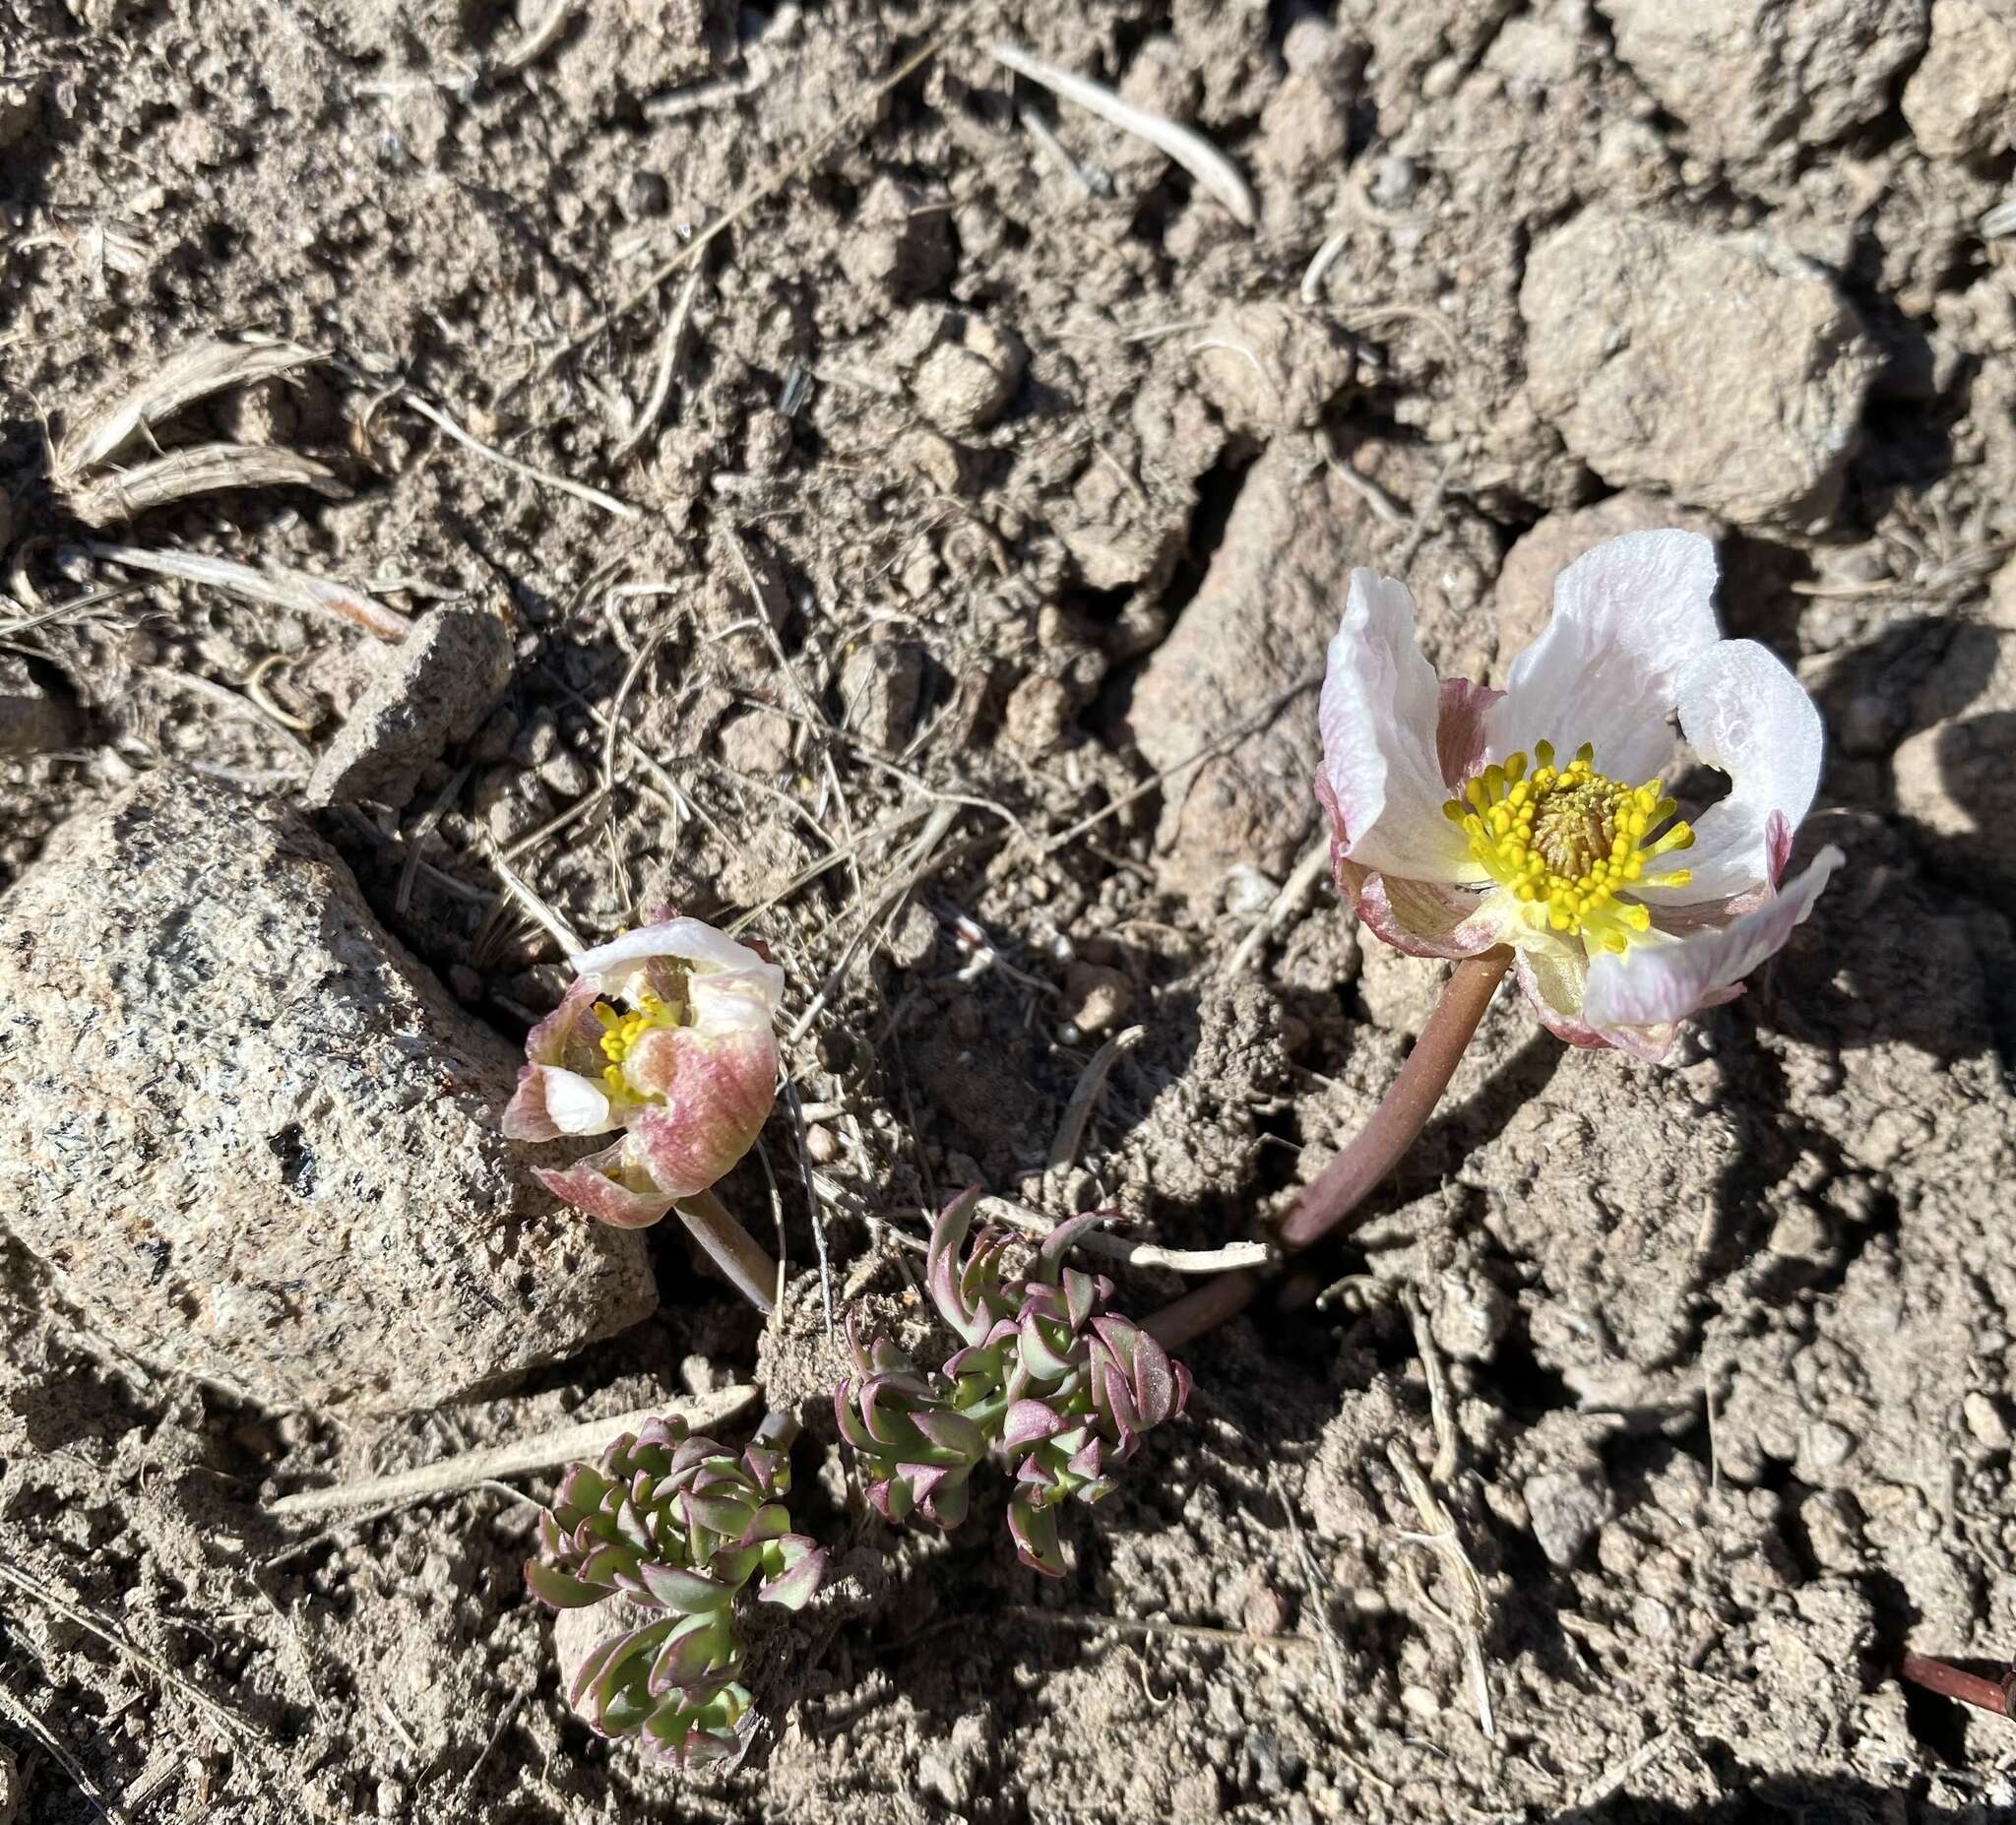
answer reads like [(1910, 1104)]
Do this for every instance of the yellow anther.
[(1564, 839)]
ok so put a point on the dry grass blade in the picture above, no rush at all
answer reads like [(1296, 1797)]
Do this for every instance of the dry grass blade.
[(540, 39), (202, 468), (1319, 1599), (1220, 1260), (1195, 153), (234, 1723), (1085, 1093), (191, 374), (521, 1457), (278, 588), (669, 342), (439, 417), (1471, 1609)]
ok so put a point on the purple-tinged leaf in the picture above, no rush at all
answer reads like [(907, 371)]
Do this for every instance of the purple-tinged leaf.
[(1050, 1257), (769, 1471), (949, 1503), (851, 1429), (941, 1262), (1081, 1296), (681, 1589), (1043, 1362), (1028, 1423), (722, 1514), (691, 1651), (1035, 1537), (558, 1588), (951, 1431), (773, 1521), (603, 1565), (793, 1588)]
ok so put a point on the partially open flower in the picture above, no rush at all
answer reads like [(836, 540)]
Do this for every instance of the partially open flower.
[(667, 1037), (1536, 817), (677, 1525)]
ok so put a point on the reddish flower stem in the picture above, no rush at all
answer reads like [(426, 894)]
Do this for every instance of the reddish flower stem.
[(1373, 1151), (741, 1258), (1948, 1681)]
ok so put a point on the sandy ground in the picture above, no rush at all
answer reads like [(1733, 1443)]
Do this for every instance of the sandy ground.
[(910, 471)]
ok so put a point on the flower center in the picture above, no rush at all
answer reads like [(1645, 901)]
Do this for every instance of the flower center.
[(621, 1032), (1566, 841)]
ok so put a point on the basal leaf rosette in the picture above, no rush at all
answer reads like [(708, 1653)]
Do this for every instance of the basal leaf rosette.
[(667, 1040), (677, 1525), (1050, 1384)]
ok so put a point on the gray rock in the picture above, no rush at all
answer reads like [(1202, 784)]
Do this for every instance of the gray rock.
[(1746, 75), (1958, 99), (1723, 370), (966, 384), (32, 719), (1260, 622), (1564, 1509), (879, 687), (252, 1138), (436, 688)]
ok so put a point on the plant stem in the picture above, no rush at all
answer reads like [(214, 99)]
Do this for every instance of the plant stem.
[(1952, 1682), (1373, 1151), (731, 1248)]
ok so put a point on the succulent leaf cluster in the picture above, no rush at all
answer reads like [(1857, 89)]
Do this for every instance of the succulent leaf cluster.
[(680, 1525), (1048, 1383)]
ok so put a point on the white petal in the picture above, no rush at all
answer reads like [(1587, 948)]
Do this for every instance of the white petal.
[(691, 940), (1381, 702), (1652, 984), (1744, 712), (574, 1103), (1628, 617)]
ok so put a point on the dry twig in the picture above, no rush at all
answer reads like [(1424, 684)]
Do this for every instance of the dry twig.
[(520, 1457)]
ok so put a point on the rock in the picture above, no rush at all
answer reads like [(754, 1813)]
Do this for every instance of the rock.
[(1564, 1509), (252, 1138), (1525, 598), (966, 384), (1958, 97), (1953, 778), (1724, 370), (1096, 998), (900, 244), (1261, 620), (758, 743), (1037, 716), (434, 688), (1270, 367), (879, 687), (33, 720), (1745, 74)]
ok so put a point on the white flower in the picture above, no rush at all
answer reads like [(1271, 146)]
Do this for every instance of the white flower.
[(1536, 817)]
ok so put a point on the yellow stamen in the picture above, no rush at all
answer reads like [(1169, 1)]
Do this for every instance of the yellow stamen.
[(621, 1032), (1568, 841)]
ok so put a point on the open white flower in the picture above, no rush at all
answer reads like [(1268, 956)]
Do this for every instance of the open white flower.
[(1536, 817)]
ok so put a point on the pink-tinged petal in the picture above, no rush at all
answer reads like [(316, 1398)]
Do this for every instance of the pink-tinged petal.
[(1425, 919), (1460, 729), (1744, 712), (1629, 616), (1379, 716), (1655, 985), (692, 941), (550, 1102), (626, 1201), (570, 1037), (717, 1095)]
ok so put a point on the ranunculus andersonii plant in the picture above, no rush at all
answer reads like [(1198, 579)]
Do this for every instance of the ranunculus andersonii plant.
[(666, 1040), (1050, 1384), (1536, 817), (1531, 829)]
